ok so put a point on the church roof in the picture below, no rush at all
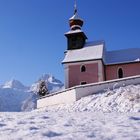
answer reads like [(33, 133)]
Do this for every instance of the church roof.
[(91, 51), (96, 51), (122, 56)]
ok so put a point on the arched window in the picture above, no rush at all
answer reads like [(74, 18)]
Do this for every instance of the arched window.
[(83, 68), (120, 73)]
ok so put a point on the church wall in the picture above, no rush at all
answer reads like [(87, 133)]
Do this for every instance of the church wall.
[(101, 72), (129, 69), (66, 70), (76, 76), (93, 73)]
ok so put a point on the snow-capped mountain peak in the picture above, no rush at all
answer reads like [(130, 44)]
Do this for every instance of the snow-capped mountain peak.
[(49, 78), (14, 84), (52, 83), (45, 77)]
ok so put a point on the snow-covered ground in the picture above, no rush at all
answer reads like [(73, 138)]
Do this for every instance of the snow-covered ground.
[(44, 125), (123, 99), (111, 115)]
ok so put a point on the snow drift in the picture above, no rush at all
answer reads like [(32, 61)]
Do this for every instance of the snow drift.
[(123, 99)]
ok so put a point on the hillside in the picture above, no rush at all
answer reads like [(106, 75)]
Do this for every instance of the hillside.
[(110, 115), (123, 99), (80, 121)]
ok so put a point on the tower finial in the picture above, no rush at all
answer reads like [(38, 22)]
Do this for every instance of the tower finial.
[(75, 21), (75, 7)]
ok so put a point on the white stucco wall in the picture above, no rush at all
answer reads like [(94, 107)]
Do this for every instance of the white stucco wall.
[(58, 98), (89, 89), (77, 92)]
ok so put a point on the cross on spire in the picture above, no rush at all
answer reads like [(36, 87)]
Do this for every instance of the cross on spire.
[(75, 7)]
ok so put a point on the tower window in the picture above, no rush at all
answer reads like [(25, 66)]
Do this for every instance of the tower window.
[(120, 73), (83, 68)]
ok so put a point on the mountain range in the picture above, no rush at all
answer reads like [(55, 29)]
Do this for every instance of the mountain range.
[(14, 96)]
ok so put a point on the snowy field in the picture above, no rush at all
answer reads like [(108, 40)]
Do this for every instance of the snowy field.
[(111, 115), (43, 125)]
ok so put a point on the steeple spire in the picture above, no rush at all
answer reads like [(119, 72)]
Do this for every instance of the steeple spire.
[(75, 7), (75, 21)]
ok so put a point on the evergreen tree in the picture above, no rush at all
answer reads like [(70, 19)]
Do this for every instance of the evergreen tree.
[(43, 88)]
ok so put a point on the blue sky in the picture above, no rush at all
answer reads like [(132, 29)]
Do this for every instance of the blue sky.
[(32, 38)]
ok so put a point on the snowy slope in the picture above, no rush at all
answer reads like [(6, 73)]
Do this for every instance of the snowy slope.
[(123, 99), (12, 96), (44, 125), (101, 117), (12, 100)]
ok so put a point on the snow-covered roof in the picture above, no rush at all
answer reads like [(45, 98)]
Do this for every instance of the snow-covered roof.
[(122, 56), (91, 51), (75, 16), (74, 31), (96, 50)]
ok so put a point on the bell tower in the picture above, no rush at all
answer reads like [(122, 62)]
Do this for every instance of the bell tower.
[(75, 37)]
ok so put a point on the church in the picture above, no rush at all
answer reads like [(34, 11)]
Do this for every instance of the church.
[(89, 62)]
